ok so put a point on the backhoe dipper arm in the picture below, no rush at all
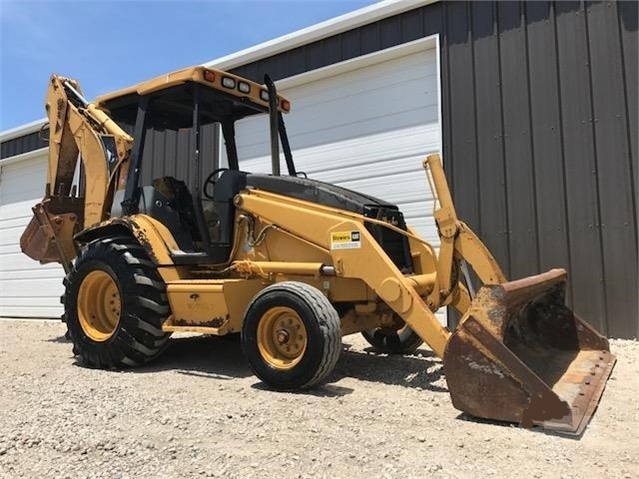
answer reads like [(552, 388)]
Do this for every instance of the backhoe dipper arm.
[(77, 128)]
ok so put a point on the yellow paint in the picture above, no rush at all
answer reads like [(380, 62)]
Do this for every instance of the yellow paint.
[(281, 337), (99, 305), (211, 303), (197, 74)]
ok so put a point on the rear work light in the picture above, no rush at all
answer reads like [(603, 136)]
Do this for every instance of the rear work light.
[(264, 95), (228, 82), (244, 87)]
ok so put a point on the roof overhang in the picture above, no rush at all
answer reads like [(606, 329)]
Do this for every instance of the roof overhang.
[(22, 130), (209, 77), (316, 32)]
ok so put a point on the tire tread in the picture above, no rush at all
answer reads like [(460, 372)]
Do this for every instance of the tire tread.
[(327, 319), (139, 337)]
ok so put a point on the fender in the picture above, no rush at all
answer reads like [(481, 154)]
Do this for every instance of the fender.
[(154, 237)]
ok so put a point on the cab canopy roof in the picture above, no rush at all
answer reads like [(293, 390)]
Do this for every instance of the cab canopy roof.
[(222, 97)]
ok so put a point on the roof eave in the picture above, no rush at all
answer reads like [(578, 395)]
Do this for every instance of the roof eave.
[(22, 130), (317, 32)]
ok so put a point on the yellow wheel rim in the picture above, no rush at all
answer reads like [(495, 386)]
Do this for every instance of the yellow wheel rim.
[(281, 337), (99, 305)]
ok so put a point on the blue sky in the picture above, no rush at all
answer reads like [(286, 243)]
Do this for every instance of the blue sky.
[(106, 45)]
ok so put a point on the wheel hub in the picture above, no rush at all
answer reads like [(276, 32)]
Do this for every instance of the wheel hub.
[(282, 337), (99, 305)]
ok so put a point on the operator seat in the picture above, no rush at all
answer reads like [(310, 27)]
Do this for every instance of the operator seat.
[(230, 183), (219, 247)]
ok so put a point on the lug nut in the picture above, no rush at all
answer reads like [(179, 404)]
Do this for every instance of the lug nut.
[(282, 336)]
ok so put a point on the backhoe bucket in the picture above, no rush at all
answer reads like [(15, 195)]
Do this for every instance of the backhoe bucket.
[(520, 355), (48, 237)]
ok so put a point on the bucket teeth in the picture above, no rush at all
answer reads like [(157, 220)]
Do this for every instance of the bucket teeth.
[(520, 355)]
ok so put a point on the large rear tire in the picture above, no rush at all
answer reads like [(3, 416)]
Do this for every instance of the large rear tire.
[(291, 336), (115, 303)]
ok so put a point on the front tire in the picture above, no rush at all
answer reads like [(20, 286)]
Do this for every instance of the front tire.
[(291, 336), (115, 303)]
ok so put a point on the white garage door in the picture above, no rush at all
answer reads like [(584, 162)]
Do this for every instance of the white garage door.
[(367, 128), (27, 288)]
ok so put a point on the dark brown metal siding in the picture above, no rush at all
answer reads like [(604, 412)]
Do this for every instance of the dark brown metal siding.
[(539, 104), (23, 144), (540, 109), (370, 38)]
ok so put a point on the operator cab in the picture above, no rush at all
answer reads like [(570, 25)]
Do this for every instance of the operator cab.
[(200, 214)]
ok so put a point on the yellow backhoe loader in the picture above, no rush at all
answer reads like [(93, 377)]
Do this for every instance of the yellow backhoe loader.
[(291, 263)]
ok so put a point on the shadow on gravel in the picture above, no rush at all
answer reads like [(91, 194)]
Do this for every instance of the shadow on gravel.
[(222, 358), (203, 356), (409, 371), (59, 339), (325, 390)]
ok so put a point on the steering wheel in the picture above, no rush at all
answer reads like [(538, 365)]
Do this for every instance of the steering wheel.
[(211, 180)]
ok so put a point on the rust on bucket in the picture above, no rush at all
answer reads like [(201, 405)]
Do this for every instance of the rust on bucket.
[(520, 355)]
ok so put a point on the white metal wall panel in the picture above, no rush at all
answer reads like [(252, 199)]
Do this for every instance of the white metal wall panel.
[(27, 288), (367, 129)]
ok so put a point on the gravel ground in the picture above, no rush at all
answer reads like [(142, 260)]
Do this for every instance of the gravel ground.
[(199, 412)]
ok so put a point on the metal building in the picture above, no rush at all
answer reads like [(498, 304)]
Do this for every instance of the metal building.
[(533, 104)]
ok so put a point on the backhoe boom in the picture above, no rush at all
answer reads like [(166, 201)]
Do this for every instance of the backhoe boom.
[(84, 143)]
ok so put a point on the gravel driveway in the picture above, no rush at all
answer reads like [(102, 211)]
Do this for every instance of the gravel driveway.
[(199, 412)]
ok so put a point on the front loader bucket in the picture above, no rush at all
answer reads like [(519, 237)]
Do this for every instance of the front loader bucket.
[(520, 355)]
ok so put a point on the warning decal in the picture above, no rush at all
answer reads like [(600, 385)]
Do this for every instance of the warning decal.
[(345, 240)]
